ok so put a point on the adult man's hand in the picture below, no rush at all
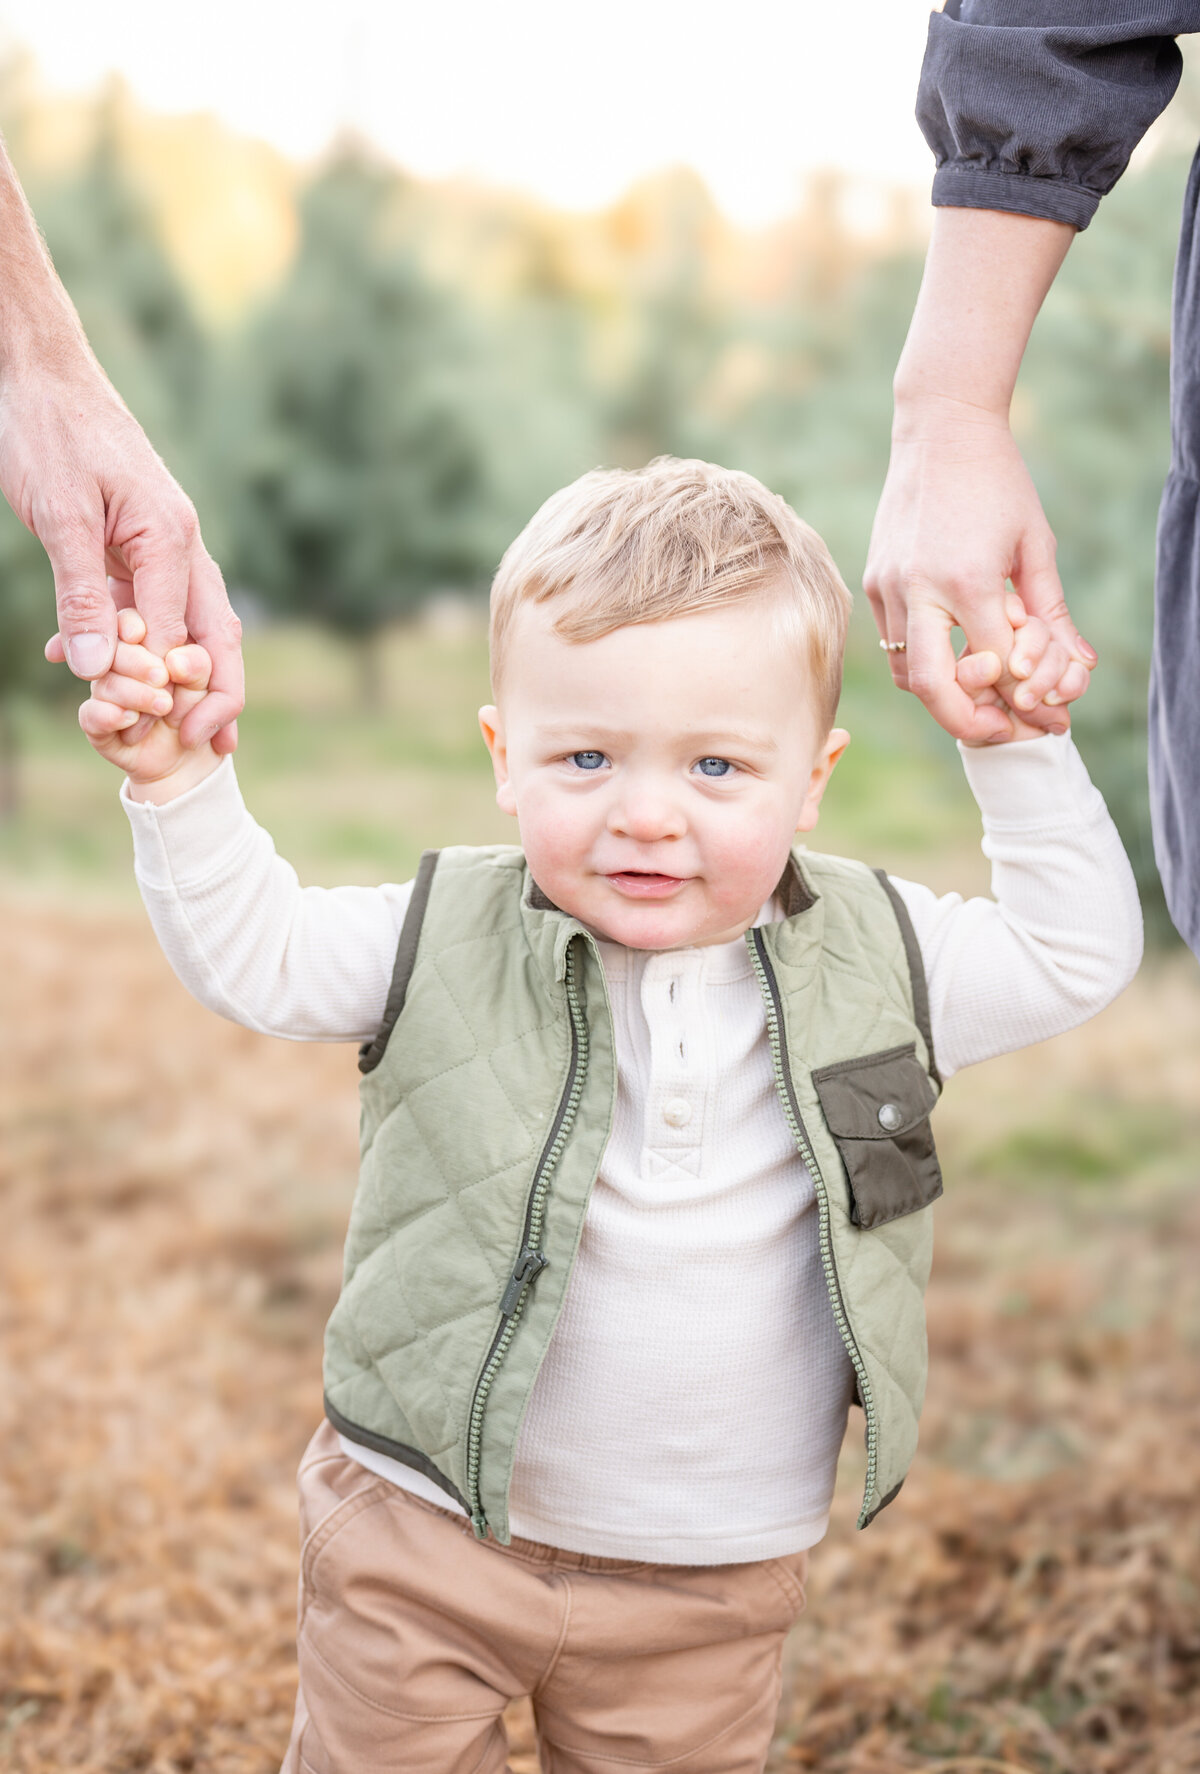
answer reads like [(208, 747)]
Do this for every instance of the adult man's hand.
[(81, 475), (959, 517)]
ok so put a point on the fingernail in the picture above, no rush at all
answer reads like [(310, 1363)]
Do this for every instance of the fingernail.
[(1088, 652), (1021, 668), (1052, 699), (1024, 698), (88, 654), (163, 705), (129, 717)]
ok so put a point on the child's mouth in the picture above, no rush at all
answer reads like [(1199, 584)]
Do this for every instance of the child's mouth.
[(642, 884)]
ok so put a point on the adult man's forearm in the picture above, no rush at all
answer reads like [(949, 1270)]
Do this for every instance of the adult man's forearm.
[(38, 323), (986, 276), (80, 474)]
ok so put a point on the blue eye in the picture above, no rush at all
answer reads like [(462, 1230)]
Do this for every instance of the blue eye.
[(588, 760), (714, 766)]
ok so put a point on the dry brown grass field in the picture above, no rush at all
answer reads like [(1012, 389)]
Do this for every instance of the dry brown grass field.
[(174, 1192)]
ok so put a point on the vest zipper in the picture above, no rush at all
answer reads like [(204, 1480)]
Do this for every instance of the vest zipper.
[(785, 1086), (530, 1262)]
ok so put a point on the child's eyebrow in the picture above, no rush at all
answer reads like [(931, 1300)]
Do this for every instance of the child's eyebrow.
[(702, 738), (741, 739)]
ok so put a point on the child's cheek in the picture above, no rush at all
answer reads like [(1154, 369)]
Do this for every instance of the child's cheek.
[(750, 861), (552, 839)]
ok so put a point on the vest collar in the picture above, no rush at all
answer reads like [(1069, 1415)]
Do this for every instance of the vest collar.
[(794, 892), (550, 931)]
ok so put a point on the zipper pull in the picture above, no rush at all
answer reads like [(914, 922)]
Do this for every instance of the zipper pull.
[(530, 1264)]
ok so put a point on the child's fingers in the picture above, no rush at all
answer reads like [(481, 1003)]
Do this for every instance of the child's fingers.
[(1015, 610), (1029, 647), (1072, 684), (102, 720), (1045, 676), (978, 671), (189, 666), (185, 702), (144, 699), (130, 625), (132, 661)]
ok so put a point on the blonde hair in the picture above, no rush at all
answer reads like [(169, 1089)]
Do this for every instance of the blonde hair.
[(623, 546)]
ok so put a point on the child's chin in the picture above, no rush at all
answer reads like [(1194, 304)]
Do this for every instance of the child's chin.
[(643, 927)]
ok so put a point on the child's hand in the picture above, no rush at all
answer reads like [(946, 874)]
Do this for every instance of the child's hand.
[(1047, 671), (140, 683)]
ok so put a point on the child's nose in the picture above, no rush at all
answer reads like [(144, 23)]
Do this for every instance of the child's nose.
[(646, 817)]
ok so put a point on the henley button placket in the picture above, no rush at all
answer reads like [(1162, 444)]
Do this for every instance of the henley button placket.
[(666, 991)]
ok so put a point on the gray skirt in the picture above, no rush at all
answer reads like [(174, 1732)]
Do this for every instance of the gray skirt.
[(1175, 665)]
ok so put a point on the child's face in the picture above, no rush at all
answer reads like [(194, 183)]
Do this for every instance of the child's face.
[(659, 774)]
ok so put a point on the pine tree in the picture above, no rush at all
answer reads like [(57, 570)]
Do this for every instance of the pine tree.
[(359, 475)]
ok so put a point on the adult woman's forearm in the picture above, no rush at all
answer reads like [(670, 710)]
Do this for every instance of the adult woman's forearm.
[(986, 276)]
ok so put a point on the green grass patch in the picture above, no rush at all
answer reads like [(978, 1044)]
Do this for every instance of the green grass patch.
[(1090, 1142)]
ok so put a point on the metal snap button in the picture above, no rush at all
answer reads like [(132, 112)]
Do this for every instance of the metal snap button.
[(890, 1117)]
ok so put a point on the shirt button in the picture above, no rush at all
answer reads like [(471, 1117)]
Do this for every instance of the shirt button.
[(678, 1112), (890, 1117)]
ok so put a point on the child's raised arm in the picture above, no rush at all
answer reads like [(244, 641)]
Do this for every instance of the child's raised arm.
[(310, 964)]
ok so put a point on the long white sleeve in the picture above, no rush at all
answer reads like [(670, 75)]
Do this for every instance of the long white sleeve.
[(1059, 940), (307, 963), (1062, 935)]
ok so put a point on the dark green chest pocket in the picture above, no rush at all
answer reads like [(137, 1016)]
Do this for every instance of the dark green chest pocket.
[(877, 1110)]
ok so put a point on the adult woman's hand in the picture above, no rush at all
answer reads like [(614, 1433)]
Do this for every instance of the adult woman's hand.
[(959, 516)]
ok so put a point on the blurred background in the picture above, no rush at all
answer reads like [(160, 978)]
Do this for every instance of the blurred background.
[(376, 284)]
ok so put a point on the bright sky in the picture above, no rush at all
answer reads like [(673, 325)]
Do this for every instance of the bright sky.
[(567, 100)]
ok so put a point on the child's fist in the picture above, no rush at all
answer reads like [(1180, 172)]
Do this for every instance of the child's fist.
[(1047, 672), (140, 684)]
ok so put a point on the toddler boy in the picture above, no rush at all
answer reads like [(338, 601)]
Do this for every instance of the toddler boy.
[(647, 1166)]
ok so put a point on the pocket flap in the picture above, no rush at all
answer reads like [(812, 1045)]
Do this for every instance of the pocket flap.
[(875, 1098)]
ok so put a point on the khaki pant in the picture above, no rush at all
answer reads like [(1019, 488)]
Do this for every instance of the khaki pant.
[(414, 1636)]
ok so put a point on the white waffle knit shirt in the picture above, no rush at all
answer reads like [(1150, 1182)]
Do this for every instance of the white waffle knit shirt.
[(694, 1396)]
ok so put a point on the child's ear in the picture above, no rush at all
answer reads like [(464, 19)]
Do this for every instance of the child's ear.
[(492, 728), (822, 770)]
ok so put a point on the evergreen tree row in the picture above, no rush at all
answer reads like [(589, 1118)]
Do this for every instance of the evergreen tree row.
[(378, 429)]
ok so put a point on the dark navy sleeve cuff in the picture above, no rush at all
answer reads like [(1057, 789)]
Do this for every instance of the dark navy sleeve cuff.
[(960, 186)]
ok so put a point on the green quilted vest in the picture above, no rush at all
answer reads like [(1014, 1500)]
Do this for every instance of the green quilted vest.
[(487, 1101)]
